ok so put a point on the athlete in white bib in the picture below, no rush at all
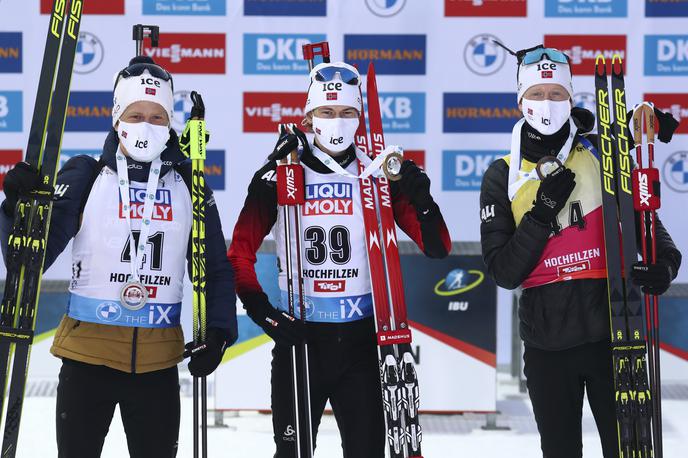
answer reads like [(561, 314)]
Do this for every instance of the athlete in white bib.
[(129, 216), (339, 324)]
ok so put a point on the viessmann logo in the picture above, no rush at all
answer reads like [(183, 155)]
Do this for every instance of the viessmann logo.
[(328, 199), (264, 111), (190, 52), (497, 8), (583, 49)]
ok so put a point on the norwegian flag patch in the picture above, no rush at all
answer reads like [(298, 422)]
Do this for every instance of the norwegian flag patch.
[(124, 133), (317, 131), (150, 91), (331, 96), (530, 111), (547, 74)]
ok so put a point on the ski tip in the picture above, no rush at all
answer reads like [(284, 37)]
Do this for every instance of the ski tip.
[(617, 60), (600, 65), (371, 68)]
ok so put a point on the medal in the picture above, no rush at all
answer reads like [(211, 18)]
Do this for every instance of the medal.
[(546, 166), (133, 295), (391, 166)]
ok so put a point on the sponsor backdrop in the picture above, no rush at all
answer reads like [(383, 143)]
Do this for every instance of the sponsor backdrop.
[(448, 93)]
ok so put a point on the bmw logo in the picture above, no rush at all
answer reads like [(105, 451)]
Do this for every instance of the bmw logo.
[(482, 56), (182, 110), (675, 171), (385, 8), (89, 53), (108, 311), (584, 100)]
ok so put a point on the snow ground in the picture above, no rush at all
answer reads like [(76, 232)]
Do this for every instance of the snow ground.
[(249, 434)]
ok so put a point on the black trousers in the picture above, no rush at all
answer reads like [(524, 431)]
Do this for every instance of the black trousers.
[(345, 371), (556, 382), (86, 400)]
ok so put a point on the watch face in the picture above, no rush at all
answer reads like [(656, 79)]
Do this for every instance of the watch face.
[(547, 165)]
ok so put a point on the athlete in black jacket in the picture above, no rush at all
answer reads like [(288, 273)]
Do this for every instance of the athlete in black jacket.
[(546, 237)]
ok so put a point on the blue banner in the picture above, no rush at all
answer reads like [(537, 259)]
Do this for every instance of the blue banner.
[(666, 8), (10, 52), (666, 55), (402, 112), (185, 7), (391, 54), (277, 53), (285, 7), (586, 8), (463, 170), (89, 111), (480, 112), (10, 111)]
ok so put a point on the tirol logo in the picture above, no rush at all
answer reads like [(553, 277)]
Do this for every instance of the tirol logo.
[(181, 110), (185, 7), (675, 171), (583, 49), (385, 8), (89, 111), (190, 52), (496, 8), (676, 104), (8, 158), (277, 54), (329, 286), (586, 8), (89, 53), (666, 8), (97, 7), (67, 154), (463, 170), (666, 55), (10, 111), (480, 112), (402, 112), (328, 199), (459, 281), (215, 169), (584, 100), (482, 55), (162, 210), (391, 54), (10, 52), (264, 111), (285, 7)]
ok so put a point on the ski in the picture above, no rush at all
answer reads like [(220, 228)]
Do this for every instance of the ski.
[(632, 393), (32, 215)]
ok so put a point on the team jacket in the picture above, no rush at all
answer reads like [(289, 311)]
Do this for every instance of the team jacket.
[(564, 301), (95, 328), (336, 275)]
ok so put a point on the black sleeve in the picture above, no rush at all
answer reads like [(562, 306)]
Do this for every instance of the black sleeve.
[(74, 180), (666, 249), (219, 294), (509, 252)]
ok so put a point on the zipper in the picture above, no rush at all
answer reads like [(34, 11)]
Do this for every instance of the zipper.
[(133, 350)]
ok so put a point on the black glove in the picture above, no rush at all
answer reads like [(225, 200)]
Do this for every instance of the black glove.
[(415, 184), (665, 126), (20, 180), (288, 141), (654, 278), (552, 195), (206, 356), (283, 328)]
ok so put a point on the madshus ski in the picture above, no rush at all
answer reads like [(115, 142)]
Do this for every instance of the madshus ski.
[(399, 381), (27, 240), (633, 396)]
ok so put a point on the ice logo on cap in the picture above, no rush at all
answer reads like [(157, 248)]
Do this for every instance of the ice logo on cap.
[(89, 53), (482, 56), (182, 110)]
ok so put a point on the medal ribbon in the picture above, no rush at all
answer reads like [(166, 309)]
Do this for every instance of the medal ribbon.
[(136, 252), (372, 166)]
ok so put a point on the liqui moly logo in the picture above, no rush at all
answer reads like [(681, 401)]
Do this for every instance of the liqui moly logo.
[(328, 199), (583, 49), (329, 286), (162, 210), (190, 52)]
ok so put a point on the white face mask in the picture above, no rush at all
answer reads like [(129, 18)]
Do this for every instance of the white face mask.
[(335, 134), (546, 116), (143, 141)]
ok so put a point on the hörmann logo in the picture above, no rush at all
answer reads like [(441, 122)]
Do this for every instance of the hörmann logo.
[(676, 104), (666, 8), (89, 111), (10, 52), (583, 49), (264, 111), (277, 54), (666, 55), (496, 8), (328, 199), (391, 54), (480, 112), (190, 52), (285, 7)]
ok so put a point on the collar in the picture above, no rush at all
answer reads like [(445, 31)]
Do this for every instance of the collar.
[(345, 159), (535, 146)]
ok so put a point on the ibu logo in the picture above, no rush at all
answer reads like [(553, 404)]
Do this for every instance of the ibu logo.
[(10, 111), (586, 8), (463, 170), (277, 54), (666, 55), (402, 112)]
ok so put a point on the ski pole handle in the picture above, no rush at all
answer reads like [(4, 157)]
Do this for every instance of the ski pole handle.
[(140, 31), (316, 49)]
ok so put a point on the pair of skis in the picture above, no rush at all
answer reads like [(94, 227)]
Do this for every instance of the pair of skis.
[(398, 377), (637, 402), (27, 241)]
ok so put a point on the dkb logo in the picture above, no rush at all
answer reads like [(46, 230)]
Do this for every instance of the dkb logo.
[(666, 55)]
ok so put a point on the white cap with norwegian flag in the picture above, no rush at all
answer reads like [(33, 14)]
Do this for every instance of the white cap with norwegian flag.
[(544, 72), (334, 92), (144, 87)]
